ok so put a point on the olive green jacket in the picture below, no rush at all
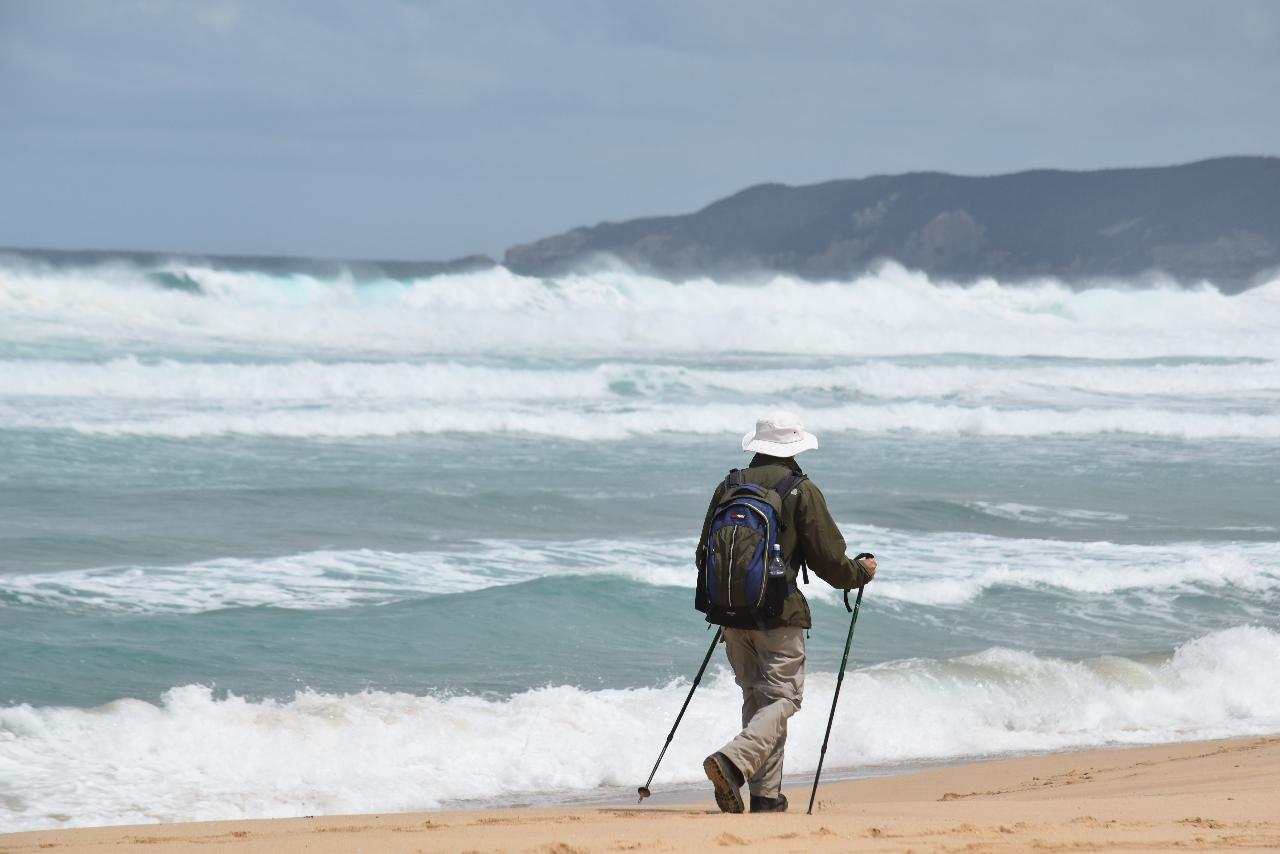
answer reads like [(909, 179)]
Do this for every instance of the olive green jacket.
[(809, 536)]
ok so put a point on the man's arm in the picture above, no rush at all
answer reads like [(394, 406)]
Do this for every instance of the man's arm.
[(823, 545)]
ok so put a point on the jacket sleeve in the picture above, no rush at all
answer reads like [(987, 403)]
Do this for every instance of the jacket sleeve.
[(822, 544)]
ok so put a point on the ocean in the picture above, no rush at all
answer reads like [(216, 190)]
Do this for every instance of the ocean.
[(280, 544)]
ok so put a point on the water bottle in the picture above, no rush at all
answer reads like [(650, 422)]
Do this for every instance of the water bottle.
[(776, 588), (777, 569)]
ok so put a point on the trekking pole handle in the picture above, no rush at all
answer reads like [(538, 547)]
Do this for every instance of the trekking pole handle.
[(861, 556)]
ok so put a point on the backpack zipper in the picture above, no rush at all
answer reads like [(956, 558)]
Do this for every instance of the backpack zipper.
[(768, 531), (764, 582), (733, 536)]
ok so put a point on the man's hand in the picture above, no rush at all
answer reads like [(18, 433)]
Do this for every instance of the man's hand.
[(870, 564)]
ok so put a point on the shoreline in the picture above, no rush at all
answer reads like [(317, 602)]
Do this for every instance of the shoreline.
[(1208, 795), (687, 792), (684, 793)]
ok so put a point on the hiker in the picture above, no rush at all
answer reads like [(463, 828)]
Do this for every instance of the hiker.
[(764, 620)]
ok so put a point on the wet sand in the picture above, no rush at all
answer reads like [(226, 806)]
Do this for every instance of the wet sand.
[(1212, 795)]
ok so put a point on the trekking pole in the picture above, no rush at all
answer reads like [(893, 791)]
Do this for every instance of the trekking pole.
[(644, 790), (839, 681)]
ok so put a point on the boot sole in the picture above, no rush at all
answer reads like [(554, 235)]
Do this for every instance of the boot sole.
[(727, 796)]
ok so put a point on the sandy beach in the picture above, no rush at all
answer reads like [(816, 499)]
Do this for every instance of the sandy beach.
[(1198, 796)]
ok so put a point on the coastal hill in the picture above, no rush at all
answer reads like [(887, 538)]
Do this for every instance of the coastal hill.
[(1215, 219)]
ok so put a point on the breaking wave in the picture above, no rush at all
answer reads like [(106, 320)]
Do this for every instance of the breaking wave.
[(200, 756), (616, 423), (615, 355), (130, 378), (890, 311), (928, 569)]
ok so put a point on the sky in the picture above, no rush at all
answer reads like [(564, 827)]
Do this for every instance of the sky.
[(387, 129)]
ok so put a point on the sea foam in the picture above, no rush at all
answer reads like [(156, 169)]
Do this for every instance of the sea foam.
[(891, 310), (934, 569), (200, 755), (615, 423), (308, 380), (614, 355)]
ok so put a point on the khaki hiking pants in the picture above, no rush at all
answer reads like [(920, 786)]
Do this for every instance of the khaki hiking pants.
[(769, 668)]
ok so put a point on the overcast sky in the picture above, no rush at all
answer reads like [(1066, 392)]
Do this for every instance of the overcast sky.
[(390, 129)]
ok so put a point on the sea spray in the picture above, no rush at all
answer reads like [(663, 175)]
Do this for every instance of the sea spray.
[(200, 754), (891, 311)]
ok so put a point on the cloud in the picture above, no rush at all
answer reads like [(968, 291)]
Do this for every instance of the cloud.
[(220, 16), (459, 126)]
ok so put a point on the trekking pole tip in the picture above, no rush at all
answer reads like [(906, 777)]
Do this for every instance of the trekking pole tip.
[(644, 793)]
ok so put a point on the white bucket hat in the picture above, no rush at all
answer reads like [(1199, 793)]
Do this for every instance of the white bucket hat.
[(779, 434)]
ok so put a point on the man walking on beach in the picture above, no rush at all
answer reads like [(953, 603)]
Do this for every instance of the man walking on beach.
[(768, 660)]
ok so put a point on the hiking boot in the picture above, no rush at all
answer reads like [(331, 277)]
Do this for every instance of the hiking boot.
[(727, 779), (778, 804)]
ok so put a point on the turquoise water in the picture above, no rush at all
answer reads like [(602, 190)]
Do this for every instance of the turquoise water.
[(279, 546)]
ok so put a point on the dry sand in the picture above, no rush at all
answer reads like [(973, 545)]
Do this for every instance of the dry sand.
[(1199, 796)]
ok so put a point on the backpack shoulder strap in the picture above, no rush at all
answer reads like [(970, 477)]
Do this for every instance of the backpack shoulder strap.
[(732, 479), (788, 483), (784, 488)]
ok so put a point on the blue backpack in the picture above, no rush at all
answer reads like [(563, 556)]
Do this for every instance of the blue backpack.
[(742, 529)]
